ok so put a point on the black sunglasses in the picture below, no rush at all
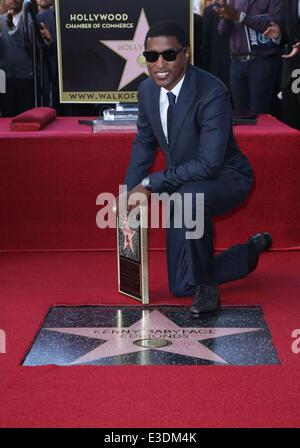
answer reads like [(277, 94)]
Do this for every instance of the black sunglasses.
[(168, 55)]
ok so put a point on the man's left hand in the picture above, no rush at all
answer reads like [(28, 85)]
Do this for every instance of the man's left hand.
[(292, 54), (9, 20), (272, 32), (227, 11), (45, 33)]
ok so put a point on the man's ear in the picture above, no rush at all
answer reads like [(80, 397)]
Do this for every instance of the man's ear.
[(187, 53)]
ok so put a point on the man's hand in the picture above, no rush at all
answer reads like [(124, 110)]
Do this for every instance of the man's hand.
[(128, 201), (227, 11), (273, 32), (292, 54), (45, 33), (9, 20)]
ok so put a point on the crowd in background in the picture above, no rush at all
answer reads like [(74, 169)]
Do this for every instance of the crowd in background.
[(259, 79)]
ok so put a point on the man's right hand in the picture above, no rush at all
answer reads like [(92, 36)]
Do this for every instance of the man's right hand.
[(227, 11), (139, 195), (273, 32)]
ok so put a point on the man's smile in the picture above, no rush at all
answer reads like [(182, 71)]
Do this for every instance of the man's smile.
[(162, 75)]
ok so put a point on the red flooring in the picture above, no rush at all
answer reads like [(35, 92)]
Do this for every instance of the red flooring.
[(143, 396)]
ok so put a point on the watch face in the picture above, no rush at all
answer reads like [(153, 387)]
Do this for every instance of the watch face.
[(146, 182)]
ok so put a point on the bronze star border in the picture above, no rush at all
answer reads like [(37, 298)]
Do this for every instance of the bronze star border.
[(165, 335)]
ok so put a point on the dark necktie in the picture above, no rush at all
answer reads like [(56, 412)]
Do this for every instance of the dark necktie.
[(171, 98)]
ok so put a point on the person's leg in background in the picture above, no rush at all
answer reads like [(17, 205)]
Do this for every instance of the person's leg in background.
[(263, 75), (239, 85)]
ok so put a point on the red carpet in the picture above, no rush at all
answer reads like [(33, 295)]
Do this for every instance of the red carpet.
[(130, 396), (53, 177), (48, 202)]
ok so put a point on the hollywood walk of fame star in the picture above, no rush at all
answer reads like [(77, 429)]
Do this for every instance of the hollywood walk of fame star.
[(128, 235), (153, 324), (132, 51)]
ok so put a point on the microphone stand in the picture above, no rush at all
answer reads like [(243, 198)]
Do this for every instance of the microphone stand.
[(28, 10)]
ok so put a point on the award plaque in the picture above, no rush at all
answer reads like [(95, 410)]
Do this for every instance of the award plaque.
[(132, 255)]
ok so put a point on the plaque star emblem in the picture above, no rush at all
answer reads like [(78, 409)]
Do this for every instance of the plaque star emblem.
[(128, 235), (132, 51), (153, 331)]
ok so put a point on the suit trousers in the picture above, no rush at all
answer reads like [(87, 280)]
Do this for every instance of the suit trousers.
[(252, 83), (192, 261)]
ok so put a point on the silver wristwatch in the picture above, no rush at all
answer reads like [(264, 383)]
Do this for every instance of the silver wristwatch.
[(146, 183), (242, 16)]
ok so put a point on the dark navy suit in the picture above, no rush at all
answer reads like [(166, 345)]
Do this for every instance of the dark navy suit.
[(51, 65), (203, 157)]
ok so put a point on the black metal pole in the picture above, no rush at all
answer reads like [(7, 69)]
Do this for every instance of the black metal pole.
[(28, 8), (41, 59), (34, 63)]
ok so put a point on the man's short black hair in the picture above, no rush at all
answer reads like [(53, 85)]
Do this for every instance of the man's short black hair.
[(167, 28)]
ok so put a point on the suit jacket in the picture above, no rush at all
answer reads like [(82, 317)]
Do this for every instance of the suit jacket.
[(50, 61), (48, 18), (15, 59), (215, 48), (290, 29), (203, 146)]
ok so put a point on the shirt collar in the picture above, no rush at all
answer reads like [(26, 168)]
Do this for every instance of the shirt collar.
[(175, 90)]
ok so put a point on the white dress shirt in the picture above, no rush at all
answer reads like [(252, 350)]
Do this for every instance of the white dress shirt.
[(17, 18), (164, 104)]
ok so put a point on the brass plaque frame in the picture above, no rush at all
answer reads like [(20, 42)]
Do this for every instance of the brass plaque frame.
[(132, 272)]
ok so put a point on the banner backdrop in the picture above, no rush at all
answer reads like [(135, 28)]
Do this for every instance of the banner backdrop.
[(100, 45)]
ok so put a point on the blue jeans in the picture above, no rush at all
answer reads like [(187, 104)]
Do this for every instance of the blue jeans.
[(252, 83)]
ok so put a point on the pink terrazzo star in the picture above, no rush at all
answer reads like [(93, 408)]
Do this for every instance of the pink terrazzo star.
[(153, 326)]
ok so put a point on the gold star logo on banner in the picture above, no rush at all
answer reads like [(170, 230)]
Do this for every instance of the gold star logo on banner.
[(132, 51)]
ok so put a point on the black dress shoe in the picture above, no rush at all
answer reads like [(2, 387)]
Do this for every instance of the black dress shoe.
[(207, 299), (256, 245)]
